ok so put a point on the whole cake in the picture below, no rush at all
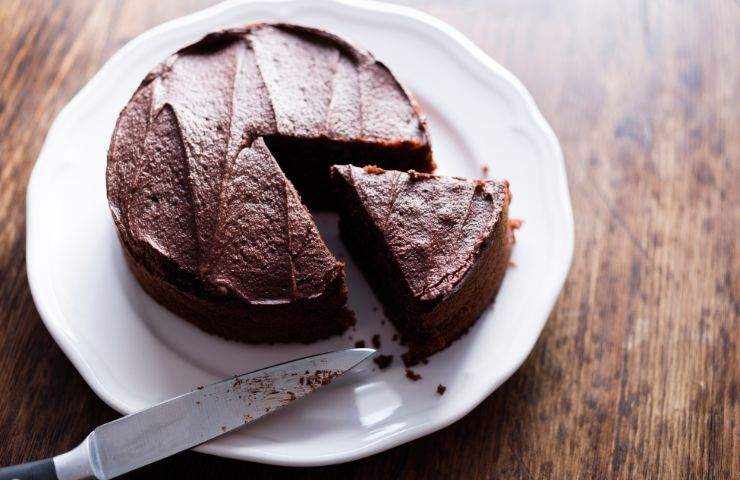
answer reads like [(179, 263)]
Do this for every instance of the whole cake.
[(434, 248), (203, 163)]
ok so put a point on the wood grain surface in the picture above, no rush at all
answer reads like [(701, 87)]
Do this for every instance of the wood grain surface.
[(635, 375)]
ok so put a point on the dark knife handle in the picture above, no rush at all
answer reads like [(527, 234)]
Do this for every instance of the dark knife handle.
[(41, 470)]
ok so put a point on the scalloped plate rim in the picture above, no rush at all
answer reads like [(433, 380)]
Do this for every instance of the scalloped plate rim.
[(47, 304)]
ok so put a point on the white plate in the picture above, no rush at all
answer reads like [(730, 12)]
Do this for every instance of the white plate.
[(133, 353)]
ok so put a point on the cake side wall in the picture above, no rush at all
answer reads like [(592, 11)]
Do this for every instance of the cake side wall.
[(454, 315), (304, 320)]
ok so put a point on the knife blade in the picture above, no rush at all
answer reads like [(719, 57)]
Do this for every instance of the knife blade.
[(190, 419)]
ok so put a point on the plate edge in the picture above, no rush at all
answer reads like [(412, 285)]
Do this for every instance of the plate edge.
[(67, 345)]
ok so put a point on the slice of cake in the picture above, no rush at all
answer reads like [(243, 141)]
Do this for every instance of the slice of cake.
[(434, 248)]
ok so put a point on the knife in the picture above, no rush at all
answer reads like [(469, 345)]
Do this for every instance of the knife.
[(188, 420)]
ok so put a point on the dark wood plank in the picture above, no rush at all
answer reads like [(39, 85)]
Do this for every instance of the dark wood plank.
[(636, 373)]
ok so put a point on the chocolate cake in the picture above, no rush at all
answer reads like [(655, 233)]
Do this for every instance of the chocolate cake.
[(203, 163), (434, 248)]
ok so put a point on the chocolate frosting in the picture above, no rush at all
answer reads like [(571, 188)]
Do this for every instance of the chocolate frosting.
[(433, 226), (194, 191)]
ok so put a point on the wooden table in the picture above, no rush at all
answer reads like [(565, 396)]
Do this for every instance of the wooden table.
[(635, 375)]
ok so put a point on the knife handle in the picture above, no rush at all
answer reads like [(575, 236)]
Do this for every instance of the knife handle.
[(73, 465), (40, 470)]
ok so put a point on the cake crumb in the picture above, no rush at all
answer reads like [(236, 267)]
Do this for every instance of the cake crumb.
[(424, 361), (375, 170), (441, 389), (360, 344), (484, 169), (375, 309), (376, 341), (515, 223), (395, 337), (382, 322), (383, 361), (199, 387), (412, 375), (512, 263)]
